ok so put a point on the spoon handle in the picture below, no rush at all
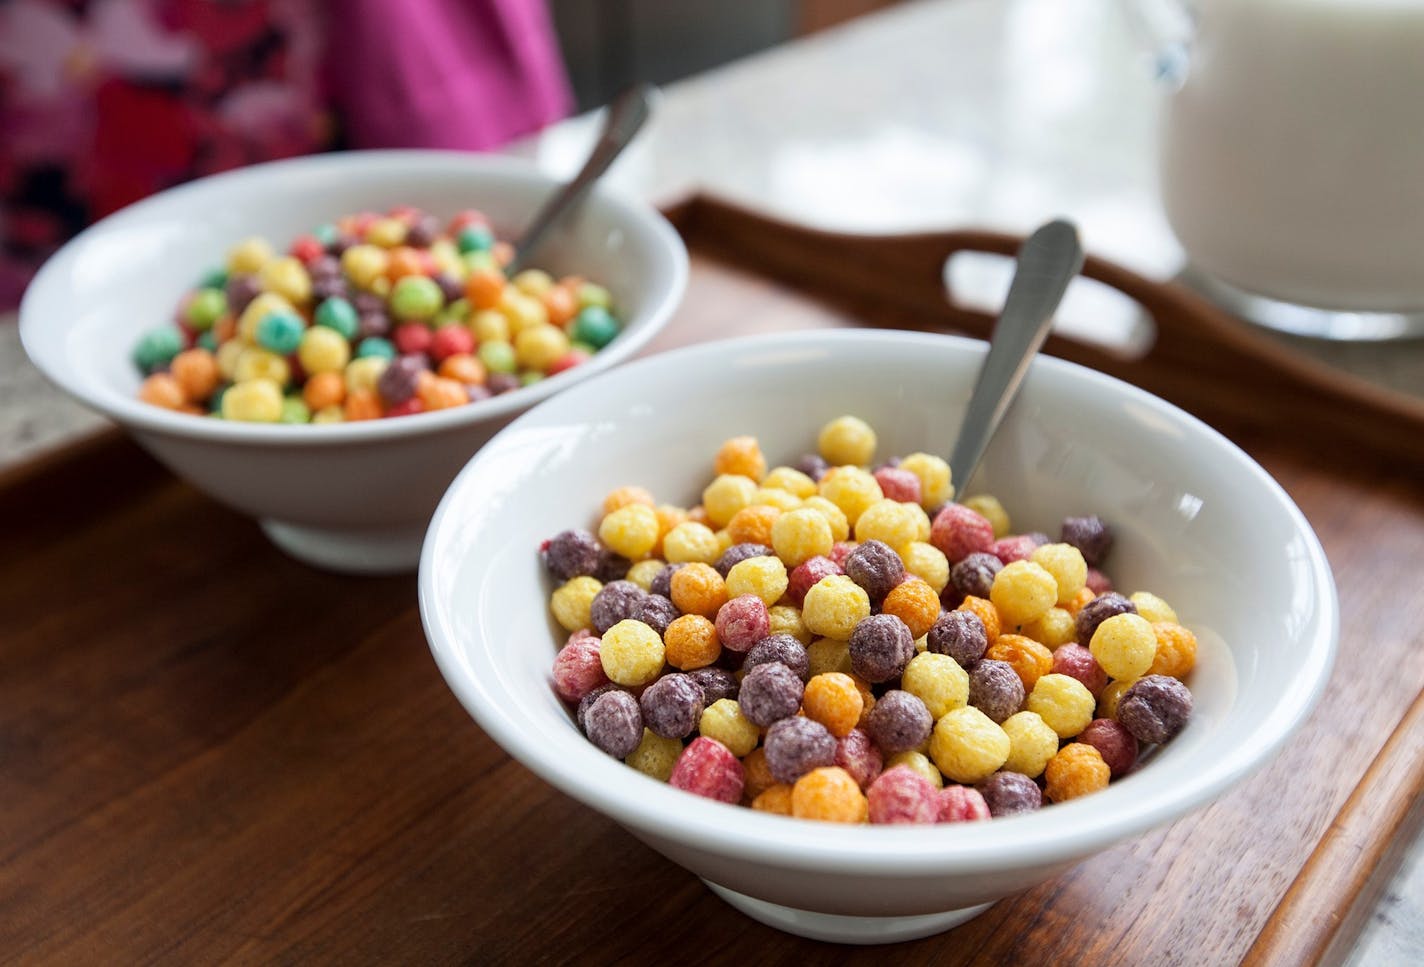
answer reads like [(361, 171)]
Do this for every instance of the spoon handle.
[(624, 118), (1047, 262)]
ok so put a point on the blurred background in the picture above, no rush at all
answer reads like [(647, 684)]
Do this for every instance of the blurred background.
[(106, 101)]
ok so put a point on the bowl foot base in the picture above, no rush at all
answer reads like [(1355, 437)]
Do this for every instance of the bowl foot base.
[(378, 550), (845, 929)]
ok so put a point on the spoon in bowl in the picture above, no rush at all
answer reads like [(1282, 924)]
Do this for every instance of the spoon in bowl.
[(1046, 263), (625, 117)]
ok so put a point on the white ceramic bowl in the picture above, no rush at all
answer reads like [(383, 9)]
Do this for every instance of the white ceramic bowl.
[(1196, 521), (355, 496)]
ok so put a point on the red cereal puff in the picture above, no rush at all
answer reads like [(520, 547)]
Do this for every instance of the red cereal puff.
[(902, 795), (742, 622), (707, 768), (1018, 547), (958, 532), (578, 669), (959, 804), (840, 550), (451, 339), (858, 755), (806, 575), (897, 484), (1114, 743), (1098, 582), (1075, 661)]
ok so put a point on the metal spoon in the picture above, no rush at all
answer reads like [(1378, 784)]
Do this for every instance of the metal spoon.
[(625, 117), (1047, 262)]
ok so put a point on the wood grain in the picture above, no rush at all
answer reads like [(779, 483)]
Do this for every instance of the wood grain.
[(210, 753)]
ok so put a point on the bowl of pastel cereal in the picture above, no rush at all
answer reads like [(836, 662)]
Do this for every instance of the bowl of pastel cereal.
[(756, 622), (323, 342)]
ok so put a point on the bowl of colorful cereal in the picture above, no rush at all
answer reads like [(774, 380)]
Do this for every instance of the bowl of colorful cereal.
[(323, 343), (779, 645)]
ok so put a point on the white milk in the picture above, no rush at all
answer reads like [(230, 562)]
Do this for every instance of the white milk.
[(1293, 156)]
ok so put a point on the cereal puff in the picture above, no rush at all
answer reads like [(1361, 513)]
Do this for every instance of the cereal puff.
[(799, 535), (631, 531), (1031, 744), (1023, 591), (830, 795), (1125, 646), (834, 606), (933, 472), (968, 746), (764, 577), (846, 440), (632, 653), (1063, 703), (1077, 770)]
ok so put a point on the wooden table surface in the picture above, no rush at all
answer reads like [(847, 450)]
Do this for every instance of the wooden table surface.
[(211, 753)]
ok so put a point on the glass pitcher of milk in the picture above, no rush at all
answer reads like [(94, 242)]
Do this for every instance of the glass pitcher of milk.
[(1292, 159)]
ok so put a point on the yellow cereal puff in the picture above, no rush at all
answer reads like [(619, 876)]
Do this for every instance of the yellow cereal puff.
[(851, 489), (1124, 645), (723, 720), (631, 653), (1031, 744), (725, 496), (968, 746), (938, 681), (889, 521), (1023, 591), (988, 507), (1065, 562), (801, 534), (790, 480), (1153, 608), (655, 756), (846, 440), (828, 655), (933, 472), (688, 542), (835, 517), (572, 601), (919, 763), (631, 531), (834, 606), (1064, 703), (764, 577)]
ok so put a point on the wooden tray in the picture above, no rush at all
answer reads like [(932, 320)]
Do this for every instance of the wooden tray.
[(209, 752)]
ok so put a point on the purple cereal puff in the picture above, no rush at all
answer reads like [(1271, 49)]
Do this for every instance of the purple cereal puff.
[(876, 567), (960, 635), (397, 381), (1155, 708), (899, 722), (958, 532), (889, 463), (959, 804), (1090, 535), (780, 648), (501, 383), (742, 622), (375, 323), (241, 290), (572, 553), (1006, 793), (1075, 661), (796, 745), (662, 581), (329, 287), (578, 669), (657, 612), (1098, 610), (1098, 582), (812, 465), (975, 574), (581, 713), (1114, 743), (717, 683), (856, 754), (880, 648), (614, 724), (897, 484), (807, 574), (424, 230), (672, 706), (1018, 547), (770, 693), (738, 553), (616, 602), (902, 795), (841, 550), (612, 567), (995, 689)]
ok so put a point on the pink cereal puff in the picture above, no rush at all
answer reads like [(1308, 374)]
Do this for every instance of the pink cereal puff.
[(958, 804), (708, 768), (1114, 743), (1099, 582), (578, 669), (742, 622), (897, 484), (902, 795), (856, 754), (805, 576), (958, 532), (840, 550), (1075, 661), (1019, 547)]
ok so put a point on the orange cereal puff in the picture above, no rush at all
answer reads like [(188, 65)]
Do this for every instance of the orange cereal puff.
[(830, 795), (1029, 659), (1176, 650), (1077, 770)]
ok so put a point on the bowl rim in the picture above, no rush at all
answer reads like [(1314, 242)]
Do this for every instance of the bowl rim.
[(133, 413), (1071, 830)]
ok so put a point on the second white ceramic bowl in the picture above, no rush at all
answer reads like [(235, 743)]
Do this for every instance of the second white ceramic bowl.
[(1196, 520), (354, 496)]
